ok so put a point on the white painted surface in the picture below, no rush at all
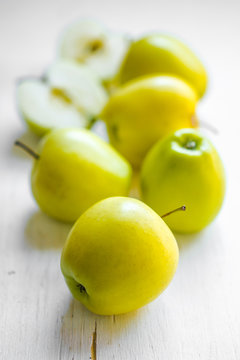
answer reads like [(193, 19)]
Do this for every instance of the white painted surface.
[(198, 316)]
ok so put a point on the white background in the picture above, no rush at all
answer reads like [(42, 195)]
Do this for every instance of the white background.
[(198, 316)]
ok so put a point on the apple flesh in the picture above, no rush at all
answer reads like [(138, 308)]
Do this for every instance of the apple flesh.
[(91, 43), (78, 83), (74, 170), (119, 256), (43, 110), (184, 168)]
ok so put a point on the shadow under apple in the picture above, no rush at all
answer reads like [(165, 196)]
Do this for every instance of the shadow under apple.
[(45, 233), (186, 240)]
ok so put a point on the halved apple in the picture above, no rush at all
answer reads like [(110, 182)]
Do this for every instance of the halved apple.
[(91, 43), (44, 109), (78, 83)]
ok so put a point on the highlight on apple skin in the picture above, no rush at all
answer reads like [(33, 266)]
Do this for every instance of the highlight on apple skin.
[(119, 256), (184, 168)]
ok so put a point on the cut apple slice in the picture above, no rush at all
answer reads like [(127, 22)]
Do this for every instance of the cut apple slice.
[(90, 43), (77, 83), (44, 109)]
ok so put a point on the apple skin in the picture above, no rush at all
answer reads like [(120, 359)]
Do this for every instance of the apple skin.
[(36, 128), (145, 110), (122, 253), (76, 169), (173, 175), (163, 54)]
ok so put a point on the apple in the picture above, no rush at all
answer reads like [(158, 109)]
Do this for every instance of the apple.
[(70, 96), (44, 110), (184, 168), (119, 256), (73, 169), (145, 110), (163, 54), (91, 43), (79, 84)]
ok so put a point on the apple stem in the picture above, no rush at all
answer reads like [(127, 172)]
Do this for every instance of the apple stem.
[(27, 149), (191, 145), (181, 208)]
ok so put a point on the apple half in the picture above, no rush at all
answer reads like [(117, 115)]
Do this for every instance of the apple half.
[(89, 42), (79, 84), (44, 108)]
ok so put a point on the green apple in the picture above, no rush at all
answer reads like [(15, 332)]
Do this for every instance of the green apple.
[(91, 43), (119, 256), (73, 169), (163, 54), (79, 84), (145, 110), (44, 110), (184, 168)]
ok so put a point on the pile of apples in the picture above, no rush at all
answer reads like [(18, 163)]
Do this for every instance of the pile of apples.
[(120, 254)]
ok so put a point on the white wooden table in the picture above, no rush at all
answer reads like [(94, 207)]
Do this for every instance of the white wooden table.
[(198, 316)]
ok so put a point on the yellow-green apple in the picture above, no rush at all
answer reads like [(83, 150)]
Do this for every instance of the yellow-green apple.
[(184, 168), (145, 110), (119, 256), (73, 169), (163, 54)]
